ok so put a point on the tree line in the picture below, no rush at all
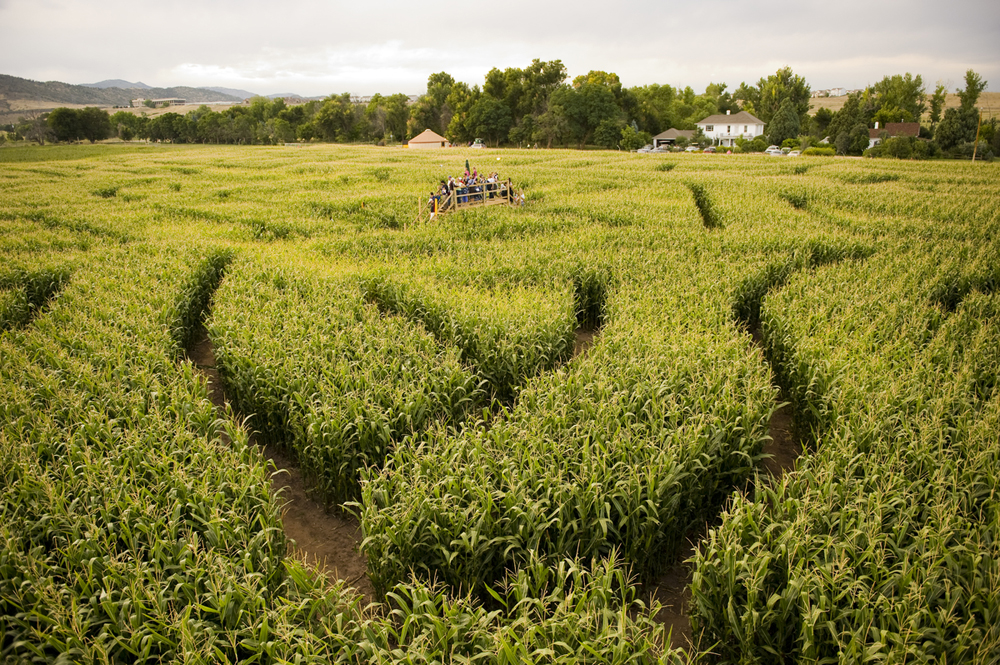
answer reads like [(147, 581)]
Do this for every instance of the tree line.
[(539, 106)]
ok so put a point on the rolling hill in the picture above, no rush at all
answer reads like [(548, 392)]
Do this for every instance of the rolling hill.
[(56, 93)]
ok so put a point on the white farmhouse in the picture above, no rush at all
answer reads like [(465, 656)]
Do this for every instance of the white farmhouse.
[(725, 129)]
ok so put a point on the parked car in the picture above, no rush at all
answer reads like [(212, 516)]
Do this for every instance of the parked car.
[(660, 148), (773, 150), (709, 149), (691, 148), (646, 148), (478, 144), (794, 153)]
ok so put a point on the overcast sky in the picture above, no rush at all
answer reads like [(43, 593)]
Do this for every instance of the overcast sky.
[(316, 47)]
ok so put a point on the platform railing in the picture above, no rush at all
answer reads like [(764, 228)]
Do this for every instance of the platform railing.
[(473, 196)]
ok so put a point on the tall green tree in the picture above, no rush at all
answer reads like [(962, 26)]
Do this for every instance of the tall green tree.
[(959, 125), (125, 125), (95, 124), (335, 120), (654, 108), (431, 110), (974, 86), (490, 119), (539, 80), (461, 100), (937, 104), (721, 100), (821, 122), (525, 93), (553, 126), (849, 123), (167, 127), (784, 123), (65, 124), (211, 128), (766, 97), (589, 102), (387, 116), (900, 97), (36, 128)]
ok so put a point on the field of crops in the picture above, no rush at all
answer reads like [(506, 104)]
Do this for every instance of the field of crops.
[(516, 498)]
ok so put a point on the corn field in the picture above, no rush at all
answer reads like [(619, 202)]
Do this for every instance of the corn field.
[(516, 499)]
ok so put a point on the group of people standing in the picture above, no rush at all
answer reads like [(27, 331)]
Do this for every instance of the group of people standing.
[(471, 188)]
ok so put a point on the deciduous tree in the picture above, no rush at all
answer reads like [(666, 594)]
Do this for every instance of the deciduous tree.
[(770, 92), (974, 86), (821, 121), (900, 97), (489, 118), (937, 104), (95, 124), (431, 110), (36, 128), (958, 126), (65, 124), (335, 119)]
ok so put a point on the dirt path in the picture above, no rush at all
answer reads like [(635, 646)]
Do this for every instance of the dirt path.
[(328, 542), (584, 340), (671, 589)]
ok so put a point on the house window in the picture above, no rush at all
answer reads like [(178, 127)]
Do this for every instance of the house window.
[(744, 129), (709, 128), (729, 129)]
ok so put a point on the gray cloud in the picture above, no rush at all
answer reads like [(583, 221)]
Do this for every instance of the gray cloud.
[(317, 48)]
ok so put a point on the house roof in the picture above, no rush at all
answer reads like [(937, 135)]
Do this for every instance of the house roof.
[(896, 129), (736, 118), (675, 134), (427, 136)]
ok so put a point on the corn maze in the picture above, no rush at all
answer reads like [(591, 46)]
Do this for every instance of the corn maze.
[(516, 499)]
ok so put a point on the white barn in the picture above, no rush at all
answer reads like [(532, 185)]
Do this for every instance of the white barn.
[(724, 129), (428, 139)]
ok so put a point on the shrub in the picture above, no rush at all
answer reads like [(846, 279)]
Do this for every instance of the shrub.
[(900, 147), (820, 151), (756, 145)]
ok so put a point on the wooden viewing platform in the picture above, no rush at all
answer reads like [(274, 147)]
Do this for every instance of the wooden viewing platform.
[(474, 196)]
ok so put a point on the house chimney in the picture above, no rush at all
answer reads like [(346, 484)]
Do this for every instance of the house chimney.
[(876, 124), (727, 111)]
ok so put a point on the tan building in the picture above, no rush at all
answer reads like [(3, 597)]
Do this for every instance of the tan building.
[(670, 136), (428, 139), (166, 101), (892, 129)]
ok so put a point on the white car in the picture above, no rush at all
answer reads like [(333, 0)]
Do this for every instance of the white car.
[(644, 149), (794, 153), (774, 150), (691, 148)]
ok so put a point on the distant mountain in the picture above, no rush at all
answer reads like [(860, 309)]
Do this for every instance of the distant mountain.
[(116, 83), (242, 94), (57, 93)]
